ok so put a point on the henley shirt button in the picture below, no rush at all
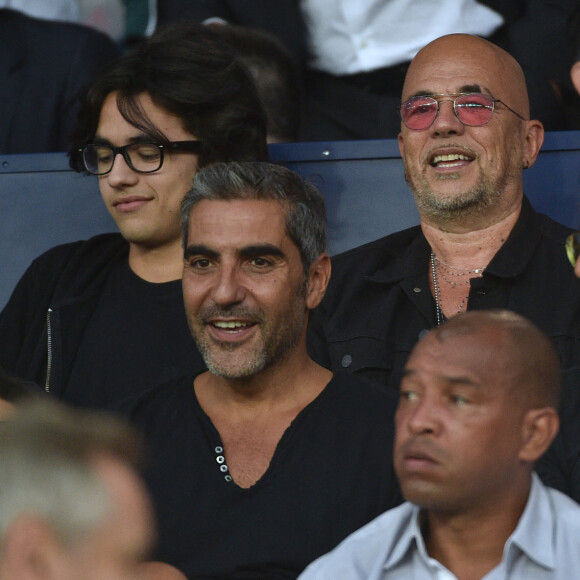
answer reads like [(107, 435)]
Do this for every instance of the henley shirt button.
[(346, 361), (219, 449), (416, 289), (423, 333), (482, 292), (223, 468), (220, 459), (228, 477)]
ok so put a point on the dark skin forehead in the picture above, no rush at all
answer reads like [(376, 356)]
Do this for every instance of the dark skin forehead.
[(481, 359), (462, 60), (503, 343)]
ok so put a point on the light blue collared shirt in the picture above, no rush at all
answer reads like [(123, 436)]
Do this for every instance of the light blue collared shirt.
[(545, 545)]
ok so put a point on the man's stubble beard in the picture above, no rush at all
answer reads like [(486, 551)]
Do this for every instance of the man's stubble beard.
[(279, 338), (470, 202)]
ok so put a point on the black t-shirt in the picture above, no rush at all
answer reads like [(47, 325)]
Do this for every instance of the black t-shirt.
[(330, 474), (137, 338)]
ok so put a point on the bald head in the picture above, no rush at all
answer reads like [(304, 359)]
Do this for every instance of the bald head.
[(522, 353), (487, 185), (477, 399), (458, 55)]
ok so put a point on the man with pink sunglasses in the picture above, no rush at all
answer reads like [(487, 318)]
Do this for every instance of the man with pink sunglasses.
[(466, 138)]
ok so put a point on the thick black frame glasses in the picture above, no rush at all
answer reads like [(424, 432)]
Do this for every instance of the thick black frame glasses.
[(472, 109), (99, 159)]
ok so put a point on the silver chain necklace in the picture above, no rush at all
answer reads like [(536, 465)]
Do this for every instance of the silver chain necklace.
[(470, 270), (439, 311)]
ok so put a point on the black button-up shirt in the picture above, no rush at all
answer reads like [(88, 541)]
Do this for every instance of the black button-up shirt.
[(379, 303)]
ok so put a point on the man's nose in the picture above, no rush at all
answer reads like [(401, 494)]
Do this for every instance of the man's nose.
[(446, 121), (228, 287), (121, 174), (424, 417)]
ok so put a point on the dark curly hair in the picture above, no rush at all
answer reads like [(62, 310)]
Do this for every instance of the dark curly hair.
[(187, 72)]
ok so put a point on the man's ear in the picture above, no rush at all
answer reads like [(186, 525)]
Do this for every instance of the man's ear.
[(539, 429), (534, 138), (318, 277), (31, 551)]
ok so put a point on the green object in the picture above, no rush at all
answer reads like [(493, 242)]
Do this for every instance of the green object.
[(573, 247)]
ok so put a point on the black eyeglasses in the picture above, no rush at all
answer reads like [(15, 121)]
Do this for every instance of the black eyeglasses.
[(140, 157), (472, 109)]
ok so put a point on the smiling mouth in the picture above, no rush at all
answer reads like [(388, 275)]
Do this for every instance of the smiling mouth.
[(231, 325), (450, 160)]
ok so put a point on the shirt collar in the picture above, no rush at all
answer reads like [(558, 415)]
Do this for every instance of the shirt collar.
[(510, 260), (513, 257), (409, 538), (537, 515), (526, 538), (412, 261)]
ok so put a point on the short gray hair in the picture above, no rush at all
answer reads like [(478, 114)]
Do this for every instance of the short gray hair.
[(305, 205), (46, 470)]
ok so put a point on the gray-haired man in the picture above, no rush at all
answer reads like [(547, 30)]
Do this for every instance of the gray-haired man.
[(267, 458)]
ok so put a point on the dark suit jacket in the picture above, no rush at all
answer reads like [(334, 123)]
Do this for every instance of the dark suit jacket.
[(44, 66)]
